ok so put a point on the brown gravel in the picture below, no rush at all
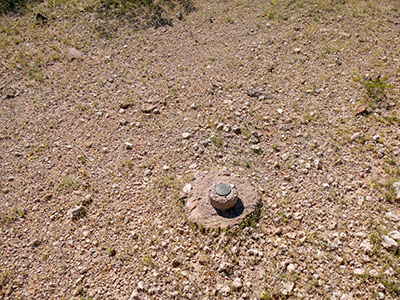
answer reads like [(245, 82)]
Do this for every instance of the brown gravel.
[(266, 89)]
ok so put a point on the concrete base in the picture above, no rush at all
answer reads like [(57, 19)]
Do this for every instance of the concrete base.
[(200, 211)]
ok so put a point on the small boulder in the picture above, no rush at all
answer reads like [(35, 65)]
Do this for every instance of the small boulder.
[(287, 288), (186, 135), (389, 244), (128, 145), (76, 212), (10, 93), (187, 188), (395, 235), (361, 110), (148, 108), (74, 53)]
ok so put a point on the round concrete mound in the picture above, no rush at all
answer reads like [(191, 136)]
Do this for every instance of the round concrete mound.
[(218, 200)]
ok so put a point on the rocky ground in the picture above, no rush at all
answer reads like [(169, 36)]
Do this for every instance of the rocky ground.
[(104, 122)]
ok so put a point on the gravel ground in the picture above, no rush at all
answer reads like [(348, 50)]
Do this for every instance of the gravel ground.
[(103, 124)]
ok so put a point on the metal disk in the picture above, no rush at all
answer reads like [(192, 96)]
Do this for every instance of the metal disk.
[(222, 189)]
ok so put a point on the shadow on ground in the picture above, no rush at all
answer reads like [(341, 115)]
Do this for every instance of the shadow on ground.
[(147, 13), (13, 6)]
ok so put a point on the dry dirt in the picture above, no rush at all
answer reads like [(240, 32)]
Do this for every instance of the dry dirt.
[(267, 89)]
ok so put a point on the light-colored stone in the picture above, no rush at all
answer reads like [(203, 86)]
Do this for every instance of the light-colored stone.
[(396, 187), (223, 289), (374, 273), (186, 135), (366, 246), (187, 188), (392, 216), (128, 145), (291, 268), (389, 244), (255, 148), (356, 136), (140, 286), (395, 235), (237, 283), (148, 108), (287, 288), (74, 53), (359, 272)]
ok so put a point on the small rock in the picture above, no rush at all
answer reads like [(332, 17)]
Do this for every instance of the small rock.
[(297, 50), (40, 18), (361, 110), (36, 243), (9, 93), (396, 187), (318, 164), (256, 148), (366, 246), (356, 136), (165, 168), (128, 145), (224, 267), (76, 212), (186, 135), (287, 288), (374, 273), (74, 53), (125, 105), (236, 129), (148, 172), (280, 111), (254, 140), (395, 235), (260, 94), (226, 128), (187, 188), (224, 290), (123, 122), (393, 217), (389, 244), (47, 197), (359, 272), (291, 268), (134, 295), (140, 286), (237, 284), (148, 108), (220, 126), (389, 272), (376, 137)]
